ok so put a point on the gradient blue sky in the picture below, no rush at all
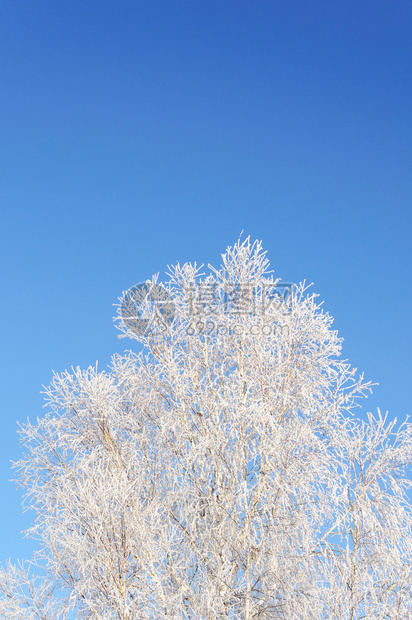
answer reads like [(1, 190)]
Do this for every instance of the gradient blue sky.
[(137, 134)]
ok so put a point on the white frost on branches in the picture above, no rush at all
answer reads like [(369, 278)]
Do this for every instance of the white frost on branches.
[(219, 474)]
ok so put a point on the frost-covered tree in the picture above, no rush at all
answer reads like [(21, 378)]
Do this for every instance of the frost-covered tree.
[(218, 473)]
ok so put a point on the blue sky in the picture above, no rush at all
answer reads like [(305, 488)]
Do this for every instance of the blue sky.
[(137, 134)]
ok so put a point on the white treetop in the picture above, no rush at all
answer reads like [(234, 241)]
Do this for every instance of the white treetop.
[(220, 473)]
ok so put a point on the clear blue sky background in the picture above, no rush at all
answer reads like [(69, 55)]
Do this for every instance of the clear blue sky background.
[(136, 134)]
